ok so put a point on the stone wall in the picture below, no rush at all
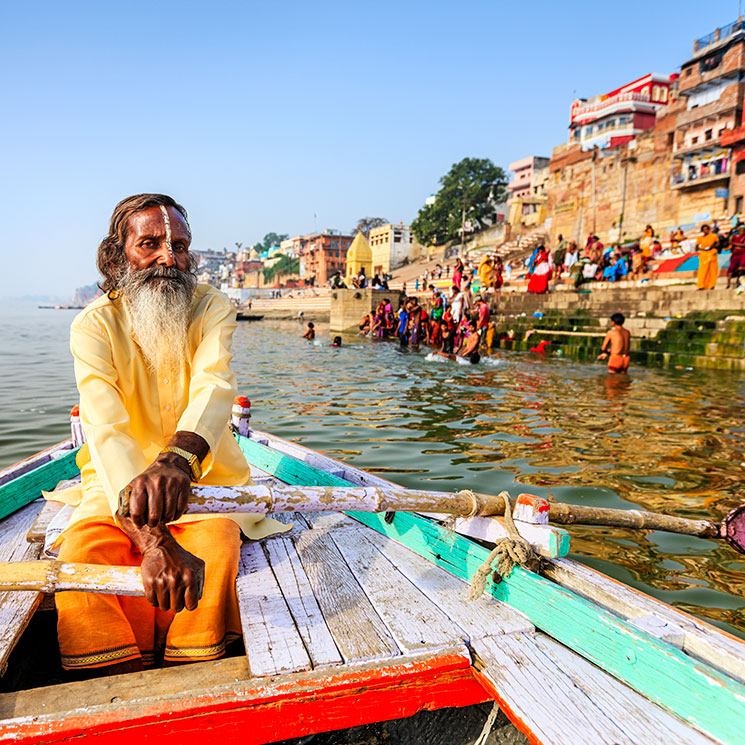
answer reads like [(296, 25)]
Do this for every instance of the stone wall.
[(348, 306)]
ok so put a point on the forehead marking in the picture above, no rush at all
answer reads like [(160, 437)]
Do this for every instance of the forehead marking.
[(167, 223)]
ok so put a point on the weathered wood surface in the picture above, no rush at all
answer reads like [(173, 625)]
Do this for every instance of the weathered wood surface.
[(487, 617), (38, 531), (57, 576), (413, 620), (273, 642), (692, 635), (298, 594), (359, 632), (27, 487), (557, 698), (16, 608), (546, 540), (28, 464), (693, 690)]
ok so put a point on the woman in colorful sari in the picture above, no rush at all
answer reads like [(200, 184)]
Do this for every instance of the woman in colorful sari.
[(737, 257), (497, 272), (538, 283)]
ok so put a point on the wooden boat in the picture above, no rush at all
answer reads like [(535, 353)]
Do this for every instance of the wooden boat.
[(243, 316), (358, 618)]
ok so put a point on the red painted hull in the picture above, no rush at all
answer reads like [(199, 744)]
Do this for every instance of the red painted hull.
[(265, 712)]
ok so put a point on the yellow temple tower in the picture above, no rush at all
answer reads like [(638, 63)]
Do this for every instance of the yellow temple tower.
[(359, 256)]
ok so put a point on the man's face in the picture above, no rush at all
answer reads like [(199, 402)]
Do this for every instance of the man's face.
[(148, 245)]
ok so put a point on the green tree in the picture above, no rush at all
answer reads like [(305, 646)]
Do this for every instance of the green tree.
[(475, 184), (284, 267), (366, 224)]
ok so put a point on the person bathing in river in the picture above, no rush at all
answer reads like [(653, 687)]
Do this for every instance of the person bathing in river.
[(618, 341), (310, 334)]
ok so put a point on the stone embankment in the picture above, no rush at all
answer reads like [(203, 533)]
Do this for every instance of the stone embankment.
[(673, 326)]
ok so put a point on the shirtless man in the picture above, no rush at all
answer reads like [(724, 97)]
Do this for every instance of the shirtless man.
[(469, 348), (310, 334), (619, 340)]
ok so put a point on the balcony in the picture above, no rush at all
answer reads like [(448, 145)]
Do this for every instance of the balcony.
[(621, 101), (701, 167), (718, 34)]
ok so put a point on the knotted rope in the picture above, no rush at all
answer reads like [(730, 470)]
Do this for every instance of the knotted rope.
[(508, 552)]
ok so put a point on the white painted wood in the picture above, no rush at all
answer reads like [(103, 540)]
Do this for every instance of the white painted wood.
[(273, 643), (298, 594), (17, 608), (358, 630), (331, 521), (531, 509), (701, 640), (546, 540), (450, 594), (557, 697), (28, 464), (413, 620)]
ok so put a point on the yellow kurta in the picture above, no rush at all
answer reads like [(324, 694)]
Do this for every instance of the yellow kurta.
[(485, 274), (129, 412)]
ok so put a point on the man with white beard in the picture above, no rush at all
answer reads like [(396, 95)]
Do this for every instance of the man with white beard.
[(152, 363)]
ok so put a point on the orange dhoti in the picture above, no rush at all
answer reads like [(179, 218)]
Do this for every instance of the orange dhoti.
[(118, 629)]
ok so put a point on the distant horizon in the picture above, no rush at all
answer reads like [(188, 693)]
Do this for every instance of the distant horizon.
[(288, 119)]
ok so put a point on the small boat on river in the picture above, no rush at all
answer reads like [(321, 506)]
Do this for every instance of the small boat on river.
[(354, 618), (243, 316)]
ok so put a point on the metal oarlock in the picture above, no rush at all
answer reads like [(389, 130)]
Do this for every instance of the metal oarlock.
[(241, 415)]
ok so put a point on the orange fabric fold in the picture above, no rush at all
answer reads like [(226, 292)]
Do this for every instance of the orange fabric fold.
[(118, 629)]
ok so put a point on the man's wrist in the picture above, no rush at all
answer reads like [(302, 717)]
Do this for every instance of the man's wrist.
[(176, 460), (147, 538)]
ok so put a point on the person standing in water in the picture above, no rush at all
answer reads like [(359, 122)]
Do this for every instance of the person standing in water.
[(310, 334), (618, 340)]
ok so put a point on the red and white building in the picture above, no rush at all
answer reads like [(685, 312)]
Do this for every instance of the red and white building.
[(617, 117)]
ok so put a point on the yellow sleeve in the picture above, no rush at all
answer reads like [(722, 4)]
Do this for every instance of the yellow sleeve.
[(115, 454), (213, 386)]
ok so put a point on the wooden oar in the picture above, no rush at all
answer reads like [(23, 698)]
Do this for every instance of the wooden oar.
[(286, 498), (59, 576)]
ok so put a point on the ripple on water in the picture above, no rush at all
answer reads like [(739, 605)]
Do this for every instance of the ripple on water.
[(659, 440)]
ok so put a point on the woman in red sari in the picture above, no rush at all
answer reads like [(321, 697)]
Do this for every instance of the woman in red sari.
[(538, 283), (737, 257)]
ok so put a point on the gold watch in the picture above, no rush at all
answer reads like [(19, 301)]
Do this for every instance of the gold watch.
[(194, 465)]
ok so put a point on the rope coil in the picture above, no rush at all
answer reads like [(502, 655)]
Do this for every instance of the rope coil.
[(508, 552)]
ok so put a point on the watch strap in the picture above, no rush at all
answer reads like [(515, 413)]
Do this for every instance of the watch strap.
[(194, 464)]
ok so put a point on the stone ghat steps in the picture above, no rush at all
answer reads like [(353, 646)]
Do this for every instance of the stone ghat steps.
[(705, 339)]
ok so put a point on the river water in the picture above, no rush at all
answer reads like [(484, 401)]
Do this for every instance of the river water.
[(672, 441)]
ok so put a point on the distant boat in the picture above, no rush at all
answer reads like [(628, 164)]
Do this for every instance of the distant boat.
[(241, 316), (61, 307)]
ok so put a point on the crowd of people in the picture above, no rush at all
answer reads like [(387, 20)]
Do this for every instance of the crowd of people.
[(455, 326), (360, 281)]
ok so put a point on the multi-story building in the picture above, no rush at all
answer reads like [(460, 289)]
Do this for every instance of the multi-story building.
[(323, 254), (292, 247), (614, 118), (709, 143), (392, 245), (524, 171)]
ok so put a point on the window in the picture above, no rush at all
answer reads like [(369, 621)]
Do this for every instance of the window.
[(721, 132), (707, 134), (645, 90), (588, 130), (738, 204), (694, 140), (740, 168), (670, 136), (689, 71), (656, 93), (663, 95)]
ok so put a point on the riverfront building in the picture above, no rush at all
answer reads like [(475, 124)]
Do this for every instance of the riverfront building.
[(392, 246), (323, 254), (686, 169), (614, 118)]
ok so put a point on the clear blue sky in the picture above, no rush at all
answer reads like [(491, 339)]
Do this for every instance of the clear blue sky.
[(257, 117)]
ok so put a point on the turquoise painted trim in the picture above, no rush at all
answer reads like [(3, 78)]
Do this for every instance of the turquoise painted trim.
[(692, 690), (28, 487)]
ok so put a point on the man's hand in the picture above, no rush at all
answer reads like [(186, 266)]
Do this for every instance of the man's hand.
[(173, 578), (602, 355), (159, 494)]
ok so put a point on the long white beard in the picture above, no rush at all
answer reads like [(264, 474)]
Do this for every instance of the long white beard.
[(161, 314)]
